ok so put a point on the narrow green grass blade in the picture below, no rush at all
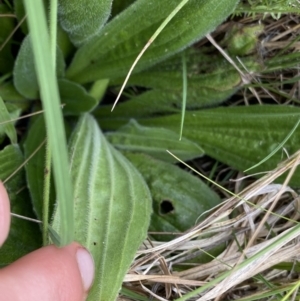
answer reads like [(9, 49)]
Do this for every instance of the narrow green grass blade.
[(53, 115), (53, 29), (289, 294), (46, 192), (268, 294), (47, 176), (184, 92)]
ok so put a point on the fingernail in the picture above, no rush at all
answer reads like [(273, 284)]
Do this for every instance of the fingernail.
[(86, 267)]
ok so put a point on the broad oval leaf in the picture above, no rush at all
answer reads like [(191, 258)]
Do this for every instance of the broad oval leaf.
[(147, 104), (112, 206), (9, 93), (25, 79), (179, 198), (153, 141), (211, 80), (83, 19), (204, 70), (240, 136), (112, 53), (75, 98), (98, 89)]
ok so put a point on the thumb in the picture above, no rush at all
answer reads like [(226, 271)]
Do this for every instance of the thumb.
[(4, 214), (49, 273)]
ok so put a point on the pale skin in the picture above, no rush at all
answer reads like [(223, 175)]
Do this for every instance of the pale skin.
[(49, 273)]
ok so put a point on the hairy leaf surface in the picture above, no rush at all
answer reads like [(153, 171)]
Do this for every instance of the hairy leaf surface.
[(75, 98), (240, 136), (179, 198), (112, 53), (83, 19), (112, 206), (210, 81), (25, 79), (153, 141)]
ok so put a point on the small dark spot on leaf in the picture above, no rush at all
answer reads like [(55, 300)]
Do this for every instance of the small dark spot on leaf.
[(94, 243), (166, 207)]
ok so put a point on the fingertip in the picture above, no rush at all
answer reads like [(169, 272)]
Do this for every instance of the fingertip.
[(49, 273), (86, 267), (4, 214)]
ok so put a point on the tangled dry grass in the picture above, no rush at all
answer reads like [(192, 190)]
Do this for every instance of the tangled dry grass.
[(259, 230), (253, 236)]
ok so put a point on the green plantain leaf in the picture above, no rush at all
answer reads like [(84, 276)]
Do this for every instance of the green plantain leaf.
[(98, 89), (112, 206), (35, 168), (148, 104), (179, 198), (83, 19), (9, 93), (25, 79), (204, 70), (14, 101), (7, 127), (24, 236), (211, 80), (112, 53), (203, 90), (154, 142), (75, 98), (240, 136)]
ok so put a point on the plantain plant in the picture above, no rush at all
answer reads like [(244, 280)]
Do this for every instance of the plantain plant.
[(110, 170)]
